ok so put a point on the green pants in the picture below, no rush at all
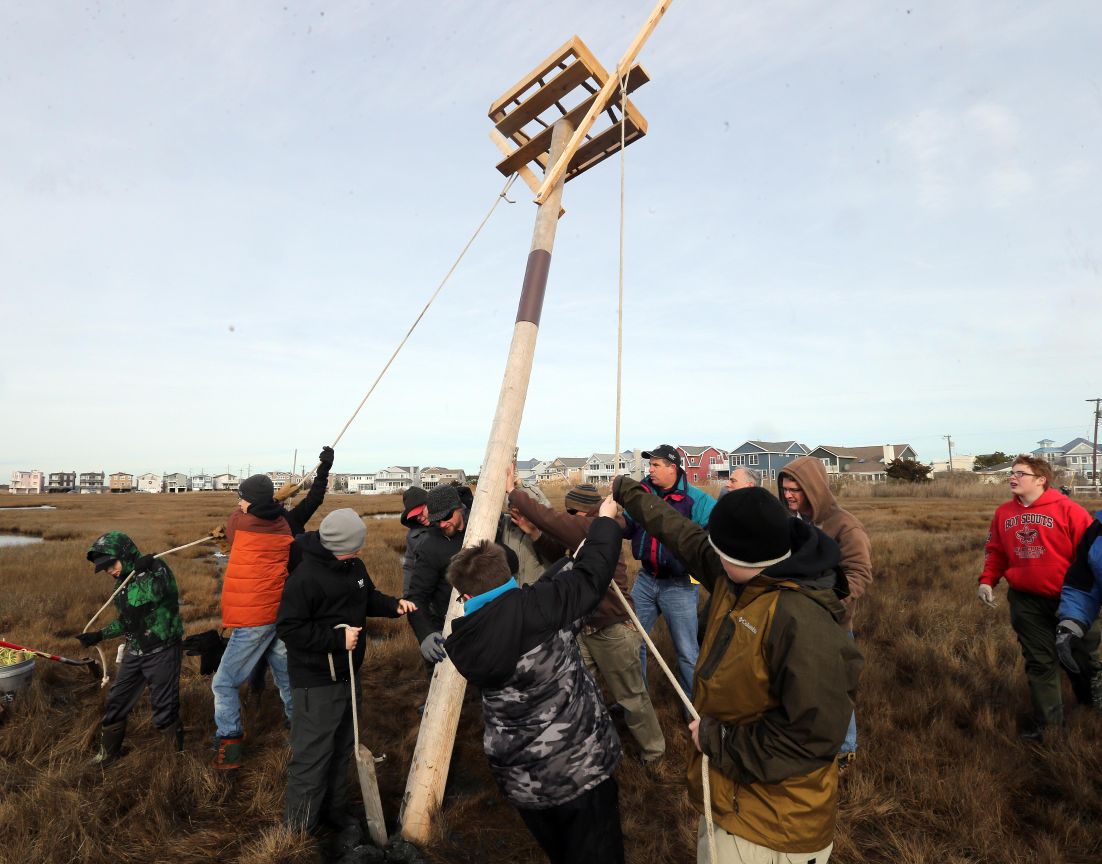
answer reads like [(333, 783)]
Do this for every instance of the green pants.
[(1034, 620), (614, 650)]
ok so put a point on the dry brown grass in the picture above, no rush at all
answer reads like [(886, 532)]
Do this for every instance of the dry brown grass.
[(941, 774)]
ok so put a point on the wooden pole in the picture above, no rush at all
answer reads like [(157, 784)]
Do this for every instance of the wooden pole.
[(428, 772), (557, 166)]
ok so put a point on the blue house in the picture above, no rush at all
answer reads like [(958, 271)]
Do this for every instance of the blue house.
[(768, 457)]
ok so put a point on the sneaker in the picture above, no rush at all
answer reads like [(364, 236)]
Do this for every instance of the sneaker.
[(228, 755)]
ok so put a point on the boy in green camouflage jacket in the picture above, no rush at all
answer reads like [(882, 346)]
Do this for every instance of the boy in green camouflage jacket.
[(149, 618)]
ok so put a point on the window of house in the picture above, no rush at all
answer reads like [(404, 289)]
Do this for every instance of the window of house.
[(772, 473), (738, 460), (752, 459)]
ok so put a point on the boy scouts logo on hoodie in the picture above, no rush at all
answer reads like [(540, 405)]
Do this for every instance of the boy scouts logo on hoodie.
[(1027, 536)]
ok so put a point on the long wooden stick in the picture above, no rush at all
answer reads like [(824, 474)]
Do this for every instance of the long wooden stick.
[(429, 770), (558, 166)]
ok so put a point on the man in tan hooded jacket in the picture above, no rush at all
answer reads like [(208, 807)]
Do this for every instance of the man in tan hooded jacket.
[(805, 491)]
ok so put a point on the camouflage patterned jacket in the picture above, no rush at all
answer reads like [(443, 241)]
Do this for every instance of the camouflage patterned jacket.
[(548, 736), (149, 606)]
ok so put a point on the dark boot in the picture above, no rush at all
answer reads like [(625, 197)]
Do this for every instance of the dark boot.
[(174, 736), (110, 743)]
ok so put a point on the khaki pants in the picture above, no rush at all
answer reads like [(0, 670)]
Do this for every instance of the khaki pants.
[(734, 850), (614, 650)]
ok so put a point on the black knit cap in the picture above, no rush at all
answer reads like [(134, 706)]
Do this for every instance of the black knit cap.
[(257, 489), (584, 498), (442, 502), (414, 496), (750, 527)]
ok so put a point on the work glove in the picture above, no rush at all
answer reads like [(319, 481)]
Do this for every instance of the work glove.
[(208, 646), (89, 639), (325, 457), (987, 595), (1067, 631), (145, 564), (432, 647), (616, 484)]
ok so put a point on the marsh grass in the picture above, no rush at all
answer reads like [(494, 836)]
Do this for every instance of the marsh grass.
[(941, 775)]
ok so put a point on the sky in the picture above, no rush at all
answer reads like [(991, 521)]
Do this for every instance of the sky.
[(850, 223)]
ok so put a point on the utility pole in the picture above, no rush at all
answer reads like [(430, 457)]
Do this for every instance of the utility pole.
[(1094, 455), (949, 440)]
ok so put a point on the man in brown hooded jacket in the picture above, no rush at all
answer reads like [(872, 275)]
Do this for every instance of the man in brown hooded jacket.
[(805, 491)]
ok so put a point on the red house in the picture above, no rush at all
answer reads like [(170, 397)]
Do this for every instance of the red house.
[(703, 464)]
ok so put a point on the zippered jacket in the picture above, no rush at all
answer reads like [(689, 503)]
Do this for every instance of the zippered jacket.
[(774, 685), (548, 736), (321, 593), (647, 549), (1081, 596), (149, 607), (1032, 547), (261, 556)]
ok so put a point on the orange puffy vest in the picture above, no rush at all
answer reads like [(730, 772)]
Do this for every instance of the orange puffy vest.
[(257, 570)]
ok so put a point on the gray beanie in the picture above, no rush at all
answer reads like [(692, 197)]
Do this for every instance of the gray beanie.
[(257, 489), (343, 531), (442, 502)]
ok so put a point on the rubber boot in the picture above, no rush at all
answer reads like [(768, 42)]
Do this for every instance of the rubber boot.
[(110, 743), (174, 736), (228, 755)]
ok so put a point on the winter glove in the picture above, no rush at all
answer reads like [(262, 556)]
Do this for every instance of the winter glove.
[(987, 595), (325, 457), (1067, 631), (616, 484), (208, 646), (145, 564), (432, 647), (89, 639)]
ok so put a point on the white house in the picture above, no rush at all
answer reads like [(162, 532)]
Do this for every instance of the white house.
[(432, 477), (226, 482), (396, 478), (148, 482), (600, 468), (200, 483), (26, 482), (360, 484)]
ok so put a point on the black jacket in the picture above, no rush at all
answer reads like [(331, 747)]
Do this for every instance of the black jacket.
[(320, 593), (300, 514)]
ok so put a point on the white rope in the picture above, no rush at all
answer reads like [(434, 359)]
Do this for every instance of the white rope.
[(115, 593), (686, 701)]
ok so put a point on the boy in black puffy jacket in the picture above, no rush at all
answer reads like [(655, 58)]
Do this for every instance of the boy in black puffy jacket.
[(329, 587)]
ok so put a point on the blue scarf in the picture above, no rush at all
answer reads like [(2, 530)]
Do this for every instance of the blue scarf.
[(479, 600)]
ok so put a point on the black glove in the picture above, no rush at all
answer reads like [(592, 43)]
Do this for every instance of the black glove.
[(208, 646), (89, 639), (145, 564), (432, 647), (1067, 632), (325, 457)]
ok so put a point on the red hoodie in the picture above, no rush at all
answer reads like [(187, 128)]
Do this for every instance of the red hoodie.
[(1033, 546)]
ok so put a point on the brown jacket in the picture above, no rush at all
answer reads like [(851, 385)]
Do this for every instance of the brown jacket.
[(774, 684), (839, 525), (569, 531)]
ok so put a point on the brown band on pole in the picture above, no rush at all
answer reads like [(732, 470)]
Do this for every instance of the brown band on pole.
[(535, 283)]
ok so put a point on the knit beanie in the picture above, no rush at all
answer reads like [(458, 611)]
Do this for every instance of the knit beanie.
[(584, 498), (414, 496), (342, 531), (257, 489), (750, 527), (442, 502)]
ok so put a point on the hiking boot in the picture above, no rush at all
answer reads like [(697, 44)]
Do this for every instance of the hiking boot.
[(110, 743), (174, 736), (228, 756)]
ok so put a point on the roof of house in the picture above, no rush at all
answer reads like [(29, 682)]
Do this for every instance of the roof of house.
[(574, 461), (776, 446), (871, 453), (527, 464), (695, 450)]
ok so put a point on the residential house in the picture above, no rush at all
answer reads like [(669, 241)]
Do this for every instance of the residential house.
[(360, 484), (1076, 457), (704, 464), (26, 482), (175, 483), (396, 478), (994, 473), (564, 469), (92, 483), (526, 468), (62, 481), (963, 462), (149, 483), (120, 481), (868, 464), (431, 477), (200, 483), (282, 478), (768, 457), (600, 468), (226, 482)]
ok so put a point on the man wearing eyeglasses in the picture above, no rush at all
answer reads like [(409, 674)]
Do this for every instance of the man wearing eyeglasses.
[(1032, 542)]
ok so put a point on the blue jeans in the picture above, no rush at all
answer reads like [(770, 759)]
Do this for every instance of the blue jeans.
[(246, 647), (850, 744), (676, 599)]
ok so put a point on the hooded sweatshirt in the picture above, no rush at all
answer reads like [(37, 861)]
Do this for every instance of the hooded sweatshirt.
[(774, 684), (838, 524), (321, 593), (1032, 547), (1081, 596), (149, 607), (548, 736)]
